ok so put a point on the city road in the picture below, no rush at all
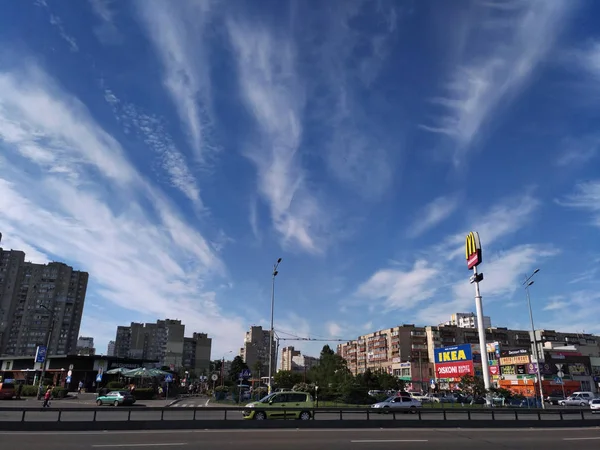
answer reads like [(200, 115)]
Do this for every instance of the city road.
[(435, 439)]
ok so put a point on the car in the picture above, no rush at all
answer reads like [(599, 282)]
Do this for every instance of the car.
[(574, 400), (7, 389), (269, 407), (595, 405), (554, 399), (116, 398), (406, 403)]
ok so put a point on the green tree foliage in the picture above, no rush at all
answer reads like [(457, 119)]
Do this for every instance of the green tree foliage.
[(471, 385), (237, 366), (286, 379), (331, 370)]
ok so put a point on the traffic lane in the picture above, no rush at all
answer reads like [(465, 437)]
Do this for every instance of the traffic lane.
[(434, 439)]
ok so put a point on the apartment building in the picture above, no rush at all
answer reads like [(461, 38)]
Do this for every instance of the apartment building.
[(586, 344), (110, 350), (256, 348), (161, 341), (196, 353), (85, 346), (382, 349), (39, 304), (468, 320), (293, 360)]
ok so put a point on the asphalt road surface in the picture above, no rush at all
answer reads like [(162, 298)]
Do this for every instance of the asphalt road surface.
[(435, 439)]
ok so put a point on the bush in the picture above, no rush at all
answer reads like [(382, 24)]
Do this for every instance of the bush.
[(144, 393), (29, 391), (222, 389), (59, 392), (114, 385)]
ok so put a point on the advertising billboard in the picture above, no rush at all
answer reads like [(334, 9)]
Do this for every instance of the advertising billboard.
[(473, 250), (452, 363)]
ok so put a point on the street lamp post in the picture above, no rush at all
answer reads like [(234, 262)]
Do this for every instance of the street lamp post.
[(271, 334), (527, 283), (50, 330)]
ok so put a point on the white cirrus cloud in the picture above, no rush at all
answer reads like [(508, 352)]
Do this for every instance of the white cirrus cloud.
[(519, 36), (432, 214), (577, 151), (145, 259), (586, 197), (178, 31), (275, 98), (400, 289)]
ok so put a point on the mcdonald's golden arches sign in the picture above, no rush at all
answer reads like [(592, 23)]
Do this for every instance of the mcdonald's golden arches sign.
[(473, 249)]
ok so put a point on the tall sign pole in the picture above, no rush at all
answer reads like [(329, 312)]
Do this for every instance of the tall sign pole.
[(473, 255)]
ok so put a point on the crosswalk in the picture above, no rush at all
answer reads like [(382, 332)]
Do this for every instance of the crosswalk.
[(184, 404)]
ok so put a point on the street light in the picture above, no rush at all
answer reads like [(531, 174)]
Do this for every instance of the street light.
[(527, 283), (271, 335), (50, 330)]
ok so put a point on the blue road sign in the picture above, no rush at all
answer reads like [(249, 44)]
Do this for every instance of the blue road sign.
[(169, 378), (432, 382), (40, 354), (98, 378), (68, 380), (558, 380)]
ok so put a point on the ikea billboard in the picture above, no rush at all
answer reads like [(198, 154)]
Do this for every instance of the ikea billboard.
[(452, 363)]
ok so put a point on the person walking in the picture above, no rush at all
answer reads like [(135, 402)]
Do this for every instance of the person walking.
[(47, 397), (19, 390), (80, 387)]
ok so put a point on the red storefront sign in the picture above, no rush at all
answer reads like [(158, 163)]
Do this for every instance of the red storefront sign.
[(495, 370), (454, 369)]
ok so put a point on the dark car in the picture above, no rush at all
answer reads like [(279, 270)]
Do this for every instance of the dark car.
[(553, 399)]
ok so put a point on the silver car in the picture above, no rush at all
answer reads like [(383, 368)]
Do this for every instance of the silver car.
[(406, 403), (575, 400), (595, 405)]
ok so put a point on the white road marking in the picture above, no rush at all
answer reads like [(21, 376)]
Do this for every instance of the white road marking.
[(164, 444), (582, 439), (375, 441)]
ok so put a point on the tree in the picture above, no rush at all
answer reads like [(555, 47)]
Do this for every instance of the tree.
[(215, 366), (286, 379), (331, 370), (472, 386), (387, 382), (237, 366)]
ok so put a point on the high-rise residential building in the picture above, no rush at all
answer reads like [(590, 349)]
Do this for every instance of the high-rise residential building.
[(85, 346), (110, 351), (468, 320), (293, 360), (161, 341), (256, 348), (39, 304), (196, 353)]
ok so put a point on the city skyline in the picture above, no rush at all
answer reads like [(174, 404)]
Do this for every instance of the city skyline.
[(174, 150)]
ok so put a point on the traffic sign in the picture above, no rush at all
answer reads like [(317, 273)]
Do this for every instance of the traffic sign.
[(432, 382), (214, 377), (68, 380), (71, 366), (98, 378), (169, 378), (558, 380)]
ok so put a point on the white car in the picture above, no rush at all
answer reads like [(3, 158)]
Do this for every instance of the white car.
[(575, 400), (595, 405), (406, 403)]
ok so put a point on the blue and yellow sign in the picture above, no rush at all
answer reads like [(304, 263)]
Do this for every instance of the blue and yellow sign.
[(458, 353)]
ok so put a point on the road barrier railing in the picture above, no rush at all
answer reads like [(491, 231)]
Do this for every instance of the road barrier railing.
[(93, 418)]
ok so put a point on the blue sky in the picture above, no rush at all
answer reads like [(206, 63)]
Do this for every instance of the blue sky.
[(175, 150)]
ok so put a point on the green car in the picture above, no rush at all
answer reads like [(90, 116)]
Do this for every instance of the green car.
[(116, 398), (265, 408)]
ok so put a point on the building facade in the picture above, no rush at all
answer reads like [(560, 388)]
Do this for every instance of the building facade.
[(110, 351), (293, 360), (85, 346), (256, 348), (40, 304), (468, 320), (196, 353)]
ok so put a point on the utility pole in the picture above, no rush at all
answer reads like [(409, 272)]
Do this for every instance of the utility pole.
[(48, 342), (528, 282), (272, 332)]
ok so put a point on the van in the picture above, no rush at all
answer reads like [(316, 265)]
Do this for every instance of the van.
[(7, 390), (586, 395), (270, 406)]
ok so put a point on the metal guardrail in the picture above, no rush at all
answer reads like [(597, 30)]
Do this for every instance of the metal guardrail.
[(335, 414)]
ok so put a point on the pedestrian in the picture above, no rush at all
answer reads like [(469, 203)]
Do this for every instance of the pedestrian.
[(19, 390), (47, 397), (80, 387)]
